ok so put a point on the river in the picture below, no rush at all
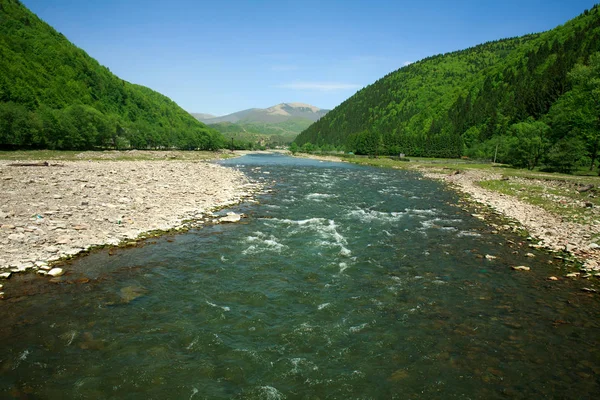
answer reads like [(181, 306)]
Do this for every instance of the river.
[(342, 282)]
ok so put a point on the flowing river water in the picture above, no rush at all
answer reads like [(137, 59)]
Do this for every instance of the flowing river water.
[(343, 282)]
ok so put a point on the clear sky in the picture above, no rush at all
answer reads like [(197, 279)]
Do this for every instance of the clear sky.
[(223, 56)]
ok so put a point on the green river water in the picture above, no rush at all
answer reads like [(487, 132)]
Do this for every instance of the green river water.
[(344, 282)]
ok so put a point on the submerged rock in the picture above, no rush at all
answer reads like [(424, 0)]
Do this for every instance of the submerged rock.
[(130, 293)]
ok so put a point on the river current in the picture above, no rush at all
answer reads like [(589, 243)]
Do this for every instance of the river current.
[(342, 282)]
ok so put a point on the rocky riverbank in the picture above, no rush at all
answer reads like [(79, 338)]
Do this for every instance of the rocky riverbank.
[(553, 232), (58, 210)]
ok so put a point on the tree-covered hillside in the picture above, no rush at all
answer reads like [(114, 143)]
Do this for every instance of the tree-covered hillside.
[(527, 100), (53, 95)]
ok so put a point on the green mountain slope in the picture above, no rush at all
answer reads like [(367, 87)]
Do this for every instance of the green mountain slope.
[(53, 95), (481, 101)]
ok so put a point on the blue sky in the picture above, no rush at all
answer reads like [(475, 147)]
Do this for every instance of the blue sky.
[(223, 56)]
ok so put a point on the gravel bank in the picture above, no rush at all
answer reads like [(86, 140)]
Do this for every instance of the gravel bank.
[(55, 211), (553, 232)]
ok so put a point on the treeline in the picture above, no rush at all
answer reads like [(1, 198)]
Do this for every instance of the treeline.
[(526, 101), (53, 95)]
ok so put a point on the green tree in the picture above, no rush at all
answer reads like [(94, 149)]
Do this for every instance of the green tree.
[(564, 155), (527, 144)]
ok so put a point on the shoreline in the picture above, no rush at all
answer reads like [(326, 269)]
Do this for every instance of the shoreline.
[(53, 213)]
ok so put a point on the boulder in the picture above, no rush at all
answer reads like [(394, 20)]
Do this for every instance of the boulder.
[(56, 272), (231, 217)]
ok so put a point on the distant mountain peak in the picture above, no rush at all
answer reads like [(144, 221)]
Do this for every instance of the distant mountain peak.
[(274, 114)]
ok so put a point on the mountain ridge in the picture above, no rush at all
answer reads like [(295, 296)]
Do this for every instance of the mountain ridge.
[(274, 114)]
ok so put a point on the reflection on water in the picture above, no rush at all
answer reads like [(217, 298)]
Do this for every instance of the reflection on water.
[(344, 282)]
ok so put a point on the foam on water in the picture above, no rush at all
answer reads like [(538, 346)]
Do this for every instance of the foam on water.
[(325, 228), (263, 242), (319, 196), (270, 393), (224, 308), (358, 328), (468, 234), (416, 211), (366, 215)]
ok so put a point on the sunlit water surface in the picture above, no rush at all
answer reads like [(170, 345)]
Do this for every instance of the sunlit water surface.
[(344, 282)]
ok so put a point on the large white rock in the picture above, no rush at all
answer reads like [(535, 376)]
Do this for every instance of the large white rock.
[(231, 217), (56, 272)]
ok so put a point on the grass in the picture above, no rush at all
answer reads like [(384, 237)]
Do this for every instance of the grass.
[(557, 197)]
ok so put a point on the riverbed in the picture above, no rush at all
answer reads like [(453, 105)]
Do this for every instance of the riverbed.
[(342, 282)]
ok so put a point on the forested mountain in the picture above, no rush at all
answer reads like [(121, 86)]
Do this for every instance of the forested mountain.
[(53, 95), (527, 100)]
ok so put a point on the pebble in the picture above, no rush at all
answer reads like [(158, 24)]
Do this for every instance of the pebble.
[(552, 278), (573, 275), (521, 268), (51, 249), (489, 257)]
